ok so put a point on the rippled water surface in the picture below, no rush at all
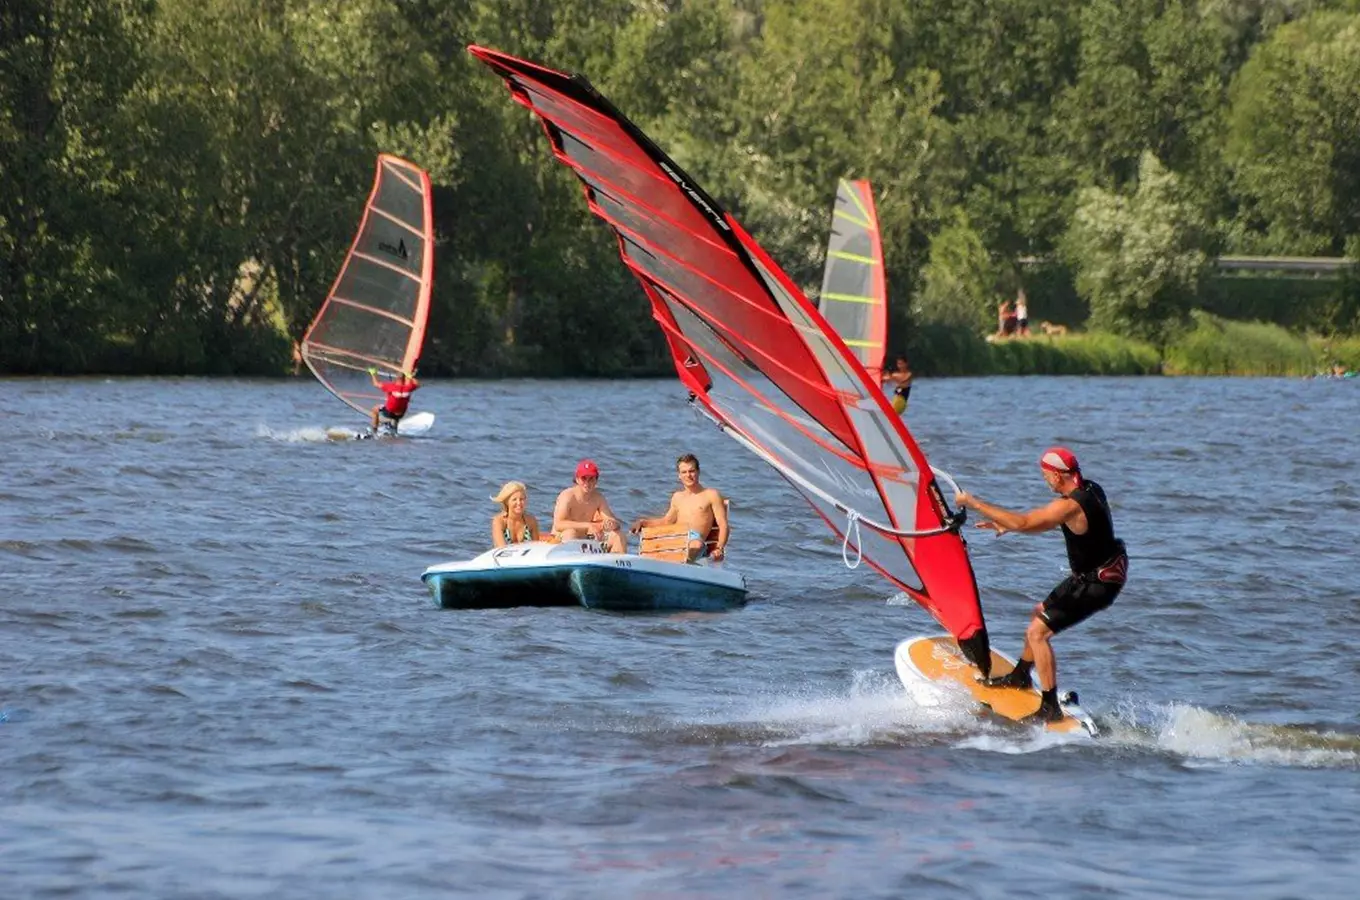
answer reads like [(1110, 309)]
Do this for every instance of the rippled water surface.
[(220, 675)]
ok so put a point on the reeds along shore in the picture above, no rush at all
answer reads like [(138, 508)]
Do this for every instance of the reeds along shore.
[(1209, 346)]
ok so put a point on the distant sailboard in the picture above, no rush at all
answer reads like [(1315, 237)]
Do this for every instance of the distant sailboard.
[(937, 661), (409, 426), (375, 314), (756, 356), (854, 298)]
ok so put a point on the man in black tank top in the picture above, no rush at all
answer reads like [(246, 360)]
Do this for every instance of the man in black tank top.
[(1097, 558)]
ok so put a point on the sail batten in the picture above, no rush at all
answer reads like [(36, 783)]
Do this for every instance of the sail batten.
[(853, 257), (853, 298), (376, 312), (391, 267), (400, 223), (757, 357), (354, 304), (853, 220)]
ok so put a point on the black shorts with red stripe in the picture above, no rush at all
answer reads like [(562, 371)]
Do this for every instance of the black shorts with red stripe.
[(1078, 597)]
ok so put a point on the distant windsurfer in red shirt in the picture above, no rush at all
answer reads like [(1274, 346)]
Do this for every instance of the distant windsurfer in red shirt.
[(1098, 561), (398, 391)]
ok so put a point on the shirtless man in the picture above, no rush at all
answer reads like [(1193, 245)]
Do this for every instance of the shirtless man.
[(697, 508), (582, 512)]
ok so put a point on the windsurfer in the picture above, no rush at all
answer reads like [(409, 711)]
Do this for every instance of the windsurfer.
[(582, 511), (393, 407), (512, 525), (1098, 560), (899, 376), (698, 508)]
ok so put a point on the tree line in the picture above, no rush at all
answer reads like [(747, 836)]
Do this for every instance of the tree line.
[(179, 179)]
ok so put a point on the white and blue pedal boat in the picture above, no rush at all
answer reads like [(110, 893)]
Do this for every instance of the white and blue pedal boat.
[(582, 573)]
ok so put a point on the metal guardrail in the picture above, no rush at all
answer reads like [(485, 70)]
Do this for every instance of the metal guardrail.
[(1286, 263), (1258, 263)]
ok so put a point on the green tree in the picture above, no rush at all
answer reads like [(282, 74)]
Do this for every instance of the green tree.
[(1293, 141), (961, 281), (1000, 64), (825, 93), (1136, 257), (65, 69)]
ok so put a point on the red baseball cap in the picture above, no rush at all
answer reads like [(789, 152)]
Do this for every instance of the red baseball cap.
[(1059, 459), (586, 468)]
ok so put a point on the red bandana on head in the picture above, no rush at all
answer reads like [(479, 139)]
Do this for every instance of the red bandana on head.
[(1060, 459)]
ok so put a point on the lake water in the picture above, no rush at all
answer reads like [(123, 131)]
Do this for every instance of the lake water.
[(220, 674)]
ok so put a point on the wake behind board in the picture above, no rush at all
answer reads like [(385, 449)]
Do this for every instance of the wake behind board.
[(938, 660), (409, 426)]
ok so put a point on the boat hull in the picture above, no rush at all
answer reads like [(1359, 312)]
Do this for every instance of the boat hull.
[(580, 573), (628, 590), (501, 588)]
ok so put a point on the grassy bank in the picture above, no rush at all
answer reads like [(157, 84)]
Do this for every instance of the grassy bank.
[(1214, 346), (1209, 346), (1344, 352), (1091, 353), (943, 350)]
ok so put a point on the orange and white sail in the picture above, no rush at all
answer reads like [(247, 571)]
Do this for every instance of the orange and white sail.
[(375, 314)]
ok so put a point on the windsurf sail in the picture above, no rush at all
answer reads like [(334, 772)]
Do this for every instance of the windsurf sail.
[(854, 298), (375, 314), (756, 355)]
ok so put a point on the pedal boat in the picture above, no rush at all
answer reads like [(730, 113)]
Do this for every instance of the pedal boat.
[(584, 573)]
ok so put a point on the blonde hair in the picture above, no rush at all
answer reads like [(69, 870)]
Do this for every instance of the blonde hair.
[(507, 491)]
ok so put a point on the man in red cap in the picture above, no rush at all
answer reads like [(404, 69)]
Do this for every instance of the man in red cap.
[(583, 513), (1097, 558)]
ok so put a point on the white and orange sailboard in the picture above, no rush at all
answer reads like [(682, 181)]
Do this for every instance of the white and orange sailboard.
[(854, 297), (758, 358), (375, 314)]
